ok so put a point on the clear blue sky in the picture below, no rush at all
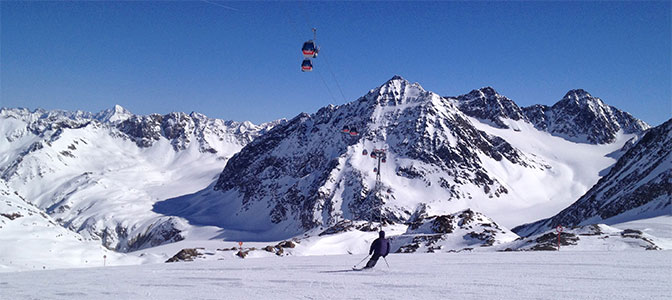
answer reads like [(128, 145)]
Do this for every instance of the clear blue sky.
[(240, 60)]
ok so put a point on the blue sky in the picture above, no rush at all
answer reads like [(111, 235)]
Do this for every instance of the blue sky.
[(240, 60)]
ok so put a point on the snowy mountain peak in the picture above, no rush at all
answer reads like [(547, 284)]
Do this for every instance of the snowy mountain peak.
[(396, 77), (580, 117), (487, 91), (490, 107), (584, 100), (308, 173), (115, 115), (577, 94), (119, 109), (396, 91)]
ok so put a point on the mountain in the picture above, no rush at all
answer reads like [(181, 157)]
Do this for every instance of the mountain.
[(307, 174), (578, 117), (458, 171), (31, 240), (99, 174), (638, 186), (583, 118), (489, 106)]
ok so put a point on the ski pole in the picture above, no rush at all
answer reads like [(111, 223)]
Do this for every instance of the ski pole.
[(385, 259), (362, 260)]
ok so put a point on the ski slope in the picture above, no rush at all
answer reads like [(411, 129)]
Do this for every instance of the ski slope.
[(498, 275)]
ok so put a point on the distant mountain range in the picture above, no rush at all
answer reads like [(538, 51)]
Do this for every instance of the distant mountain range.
[(132, 182)]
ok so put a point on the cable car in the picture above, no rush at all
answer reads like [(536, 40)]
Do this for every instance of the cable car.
[(345, 129), (353, 131), (364, 152), (309, 49), (389, 191), (383, 160), (306, 65), (375, 170), (373, 154)]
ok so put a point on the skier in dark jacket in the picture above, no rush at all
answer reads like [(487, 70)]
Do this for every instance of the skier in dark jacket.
[(379, 247)]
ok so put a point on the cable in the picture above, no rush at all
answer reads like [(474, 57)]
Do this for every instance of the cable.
[(327, 86), (335, 80), (221, 5)]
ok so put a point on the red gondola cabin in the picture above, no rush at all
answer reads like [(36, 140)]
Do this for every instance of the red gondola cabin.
[(306, 65), (309, 50)]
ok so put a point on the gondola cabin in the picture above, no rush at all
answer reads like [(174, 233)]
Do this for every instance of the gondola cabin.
[(345, 129), (306, 65), (309, 49), (364, 152)]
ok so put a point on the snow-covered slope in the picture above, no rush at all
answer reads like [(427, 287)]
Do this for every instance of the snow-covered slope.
[(100, 174), (135, 183), (521, 275), (638, 186), (306, 173), (31, 240)]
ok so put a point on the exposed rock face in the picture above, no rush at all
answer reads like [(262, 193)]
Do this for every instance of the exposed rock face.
[(639, 184), (447, 233), (487, 105), (583, 118), (182, 129)]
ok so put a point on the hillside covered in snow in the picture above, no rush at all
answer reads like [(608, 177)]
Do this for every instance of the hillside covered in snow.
[(307, 173), (456, 174), (638, 186), (98, 175)]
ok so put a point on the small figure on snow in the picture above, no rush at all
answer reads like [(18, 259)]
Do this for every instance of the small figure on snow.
[(379, 247)]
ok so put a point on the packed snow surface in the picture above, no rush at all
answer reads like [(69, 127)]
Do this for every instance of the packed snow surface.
[(494, 275)]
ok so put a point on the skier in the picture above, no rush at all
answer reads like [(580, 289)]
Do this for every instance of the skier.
[(379, 247)]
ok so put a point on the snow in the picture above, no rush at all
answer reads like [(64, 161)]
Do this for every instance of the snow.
[(108, 181), (659, 228), (538, 275), (536, 193)]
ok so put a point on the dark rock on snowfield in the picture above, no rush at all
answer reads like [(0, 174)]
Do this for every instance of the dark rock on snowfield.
[(188, 254), (466, 228)]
